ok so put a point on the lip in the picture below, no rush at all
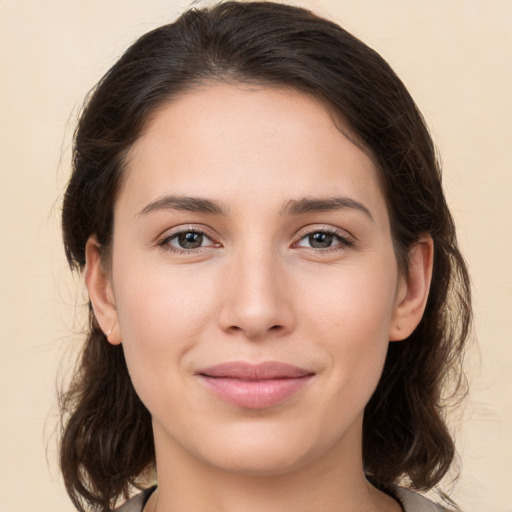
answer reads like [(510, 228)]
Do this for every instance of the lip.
[(254, 386)]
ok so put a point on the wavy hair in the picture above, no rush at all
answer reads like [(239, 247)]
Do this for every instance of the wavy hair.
[(106, 442)]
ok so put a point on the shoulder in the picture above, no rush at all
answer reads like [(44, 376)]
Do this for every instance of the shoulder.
[(136, 504), (413, 502)]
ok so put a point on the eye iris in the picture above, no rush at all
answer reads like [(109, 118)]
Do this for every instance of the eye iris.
[(320, 240), (190, 240)]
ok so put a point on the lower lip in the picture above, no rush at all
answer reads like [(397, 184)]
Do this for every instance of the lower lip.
[(255, 394)]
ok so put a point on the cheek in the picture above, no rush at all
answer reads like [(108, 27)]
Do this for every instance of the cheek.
[(353, 301), (161, 314), (158, 301), (153, 312), (349, 313)]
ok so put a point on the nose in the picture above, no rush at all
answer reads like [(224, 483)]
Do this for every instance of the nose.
[(257, 298)]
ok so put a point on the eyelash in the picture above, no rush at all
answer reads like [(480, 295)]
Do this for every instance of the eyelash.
[(165, 242), (344, 241)]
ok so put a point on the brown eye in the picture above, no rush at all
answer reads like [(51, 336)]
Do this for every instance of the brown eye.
[(187, 240), (320, 240), (190, 240), (325, 240)]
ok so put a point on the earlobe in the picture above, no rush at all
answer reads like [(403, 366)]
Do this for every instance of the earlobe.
[(413, 290), (99, 286)]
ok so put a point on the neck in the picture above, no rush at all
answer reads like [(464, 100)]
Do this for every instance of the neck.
[(332, 483)]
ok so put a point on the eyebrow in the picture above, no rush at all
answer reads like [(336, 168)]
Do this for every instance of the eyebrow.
[(189, 204), (292, 207), (311, 205)]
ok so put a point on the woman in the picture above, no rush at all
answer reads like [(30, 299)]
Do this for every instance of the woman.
[(277, 298)]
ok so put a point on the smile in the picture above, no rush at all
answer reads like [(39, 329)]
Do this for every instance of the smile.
[(255, 386)]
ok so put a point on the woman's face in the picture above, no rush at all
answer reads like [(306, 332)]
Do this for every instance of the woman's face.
[(253, 284)]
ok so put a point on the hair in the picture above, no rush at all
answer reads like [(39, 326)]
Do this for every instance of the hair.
[(106, 443)]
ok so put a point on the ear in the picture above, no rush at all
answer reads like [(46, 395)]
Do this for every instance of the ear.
[(99, 286), (413, 290)]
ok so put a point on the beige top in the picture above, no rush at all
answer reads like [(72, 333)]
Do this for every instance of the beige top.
[(413, 502), (410, 501)]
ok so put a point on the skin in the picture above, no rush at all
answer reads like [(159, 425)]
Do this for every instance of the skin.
[(256, 290)]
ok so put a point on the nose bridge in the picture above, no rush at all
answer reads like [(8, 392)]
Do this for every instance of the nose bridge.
[(256, 300)]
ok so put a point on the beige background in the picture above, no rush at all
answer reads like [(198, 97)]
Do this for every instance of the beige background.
[(454, 56)]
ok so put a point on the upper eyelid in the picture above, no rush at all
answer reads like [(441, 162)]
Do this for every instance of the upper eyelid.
[(173, 232), (308, 230)]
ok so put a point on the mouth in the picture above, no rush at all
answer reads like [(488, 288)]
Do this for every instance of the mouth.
[(256, 386)]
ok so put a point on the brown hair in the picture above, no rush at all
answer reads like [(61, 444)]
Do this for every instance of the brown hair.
[(106, 442)]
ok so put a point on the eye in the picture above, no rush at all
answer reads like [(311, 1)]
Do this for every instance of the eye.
[(187, 240), (325, 239), (320, 240)]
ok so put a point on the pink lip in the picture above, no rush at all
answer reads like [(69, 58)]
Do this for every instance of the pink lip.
[(255, 386)]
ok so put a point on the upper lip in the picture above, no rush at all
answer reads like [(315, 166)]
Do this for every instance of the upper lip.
[(263, 371)]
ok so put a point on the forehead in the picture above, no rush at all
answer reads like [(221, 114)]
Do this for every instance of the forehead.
[(229, 142)]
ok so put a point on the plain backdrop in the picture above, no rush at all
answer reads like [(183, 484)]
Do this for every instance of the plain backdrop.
[(455, 58)]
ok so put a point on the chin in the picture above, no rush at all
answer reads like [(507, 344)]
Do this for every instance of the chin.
[(262, 450)]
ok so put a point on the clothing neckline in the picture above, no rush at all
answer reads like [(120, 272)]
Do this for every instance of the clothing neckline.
[(147, 493), (408, 500)]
